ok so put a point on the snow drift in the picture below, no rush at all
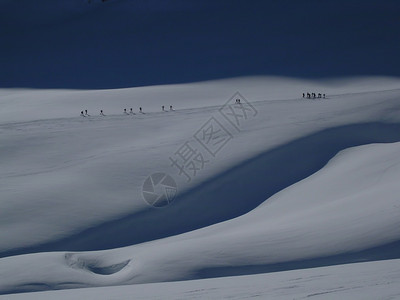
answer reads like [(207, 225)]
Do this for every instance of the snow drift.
[(348, 206)]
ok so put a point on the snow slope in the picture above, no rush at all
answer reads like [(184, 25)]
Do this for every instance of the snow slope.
[(328, 169), (93, 169), (347, 207), (372, 280)]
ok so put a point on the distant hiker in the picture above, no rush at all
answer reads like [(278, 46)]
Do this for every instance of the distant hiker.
[(125, 112), (304, 95), (170, 107), (324, 95), (82, 115), (319, 95), (162, 107), (86, 113), (101, 113), (131, 111), (140, 109), (308, 95)]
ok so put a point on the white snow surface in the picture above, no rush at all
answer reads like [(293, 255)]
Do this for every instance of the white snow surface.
[(301, 183), (371, 280)]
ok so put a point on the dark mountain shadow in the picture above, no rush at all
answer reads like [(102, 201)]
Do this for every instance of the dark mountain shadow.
[(124, 43)]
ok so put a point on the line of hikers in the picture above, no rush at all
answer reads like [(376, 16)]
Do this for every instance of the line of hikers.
[(313, 95), (84, 113)]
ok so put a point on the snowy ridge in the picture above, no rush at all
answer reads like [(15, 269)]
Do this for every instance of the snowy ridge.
[(305, 183)]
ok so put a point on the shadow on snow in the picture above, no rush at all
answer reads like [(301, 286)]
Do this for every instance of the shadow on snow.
[(230, 194)]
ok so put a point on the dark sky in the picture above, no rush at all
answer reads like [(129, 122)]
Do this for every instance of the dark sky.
[(126, 43)]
